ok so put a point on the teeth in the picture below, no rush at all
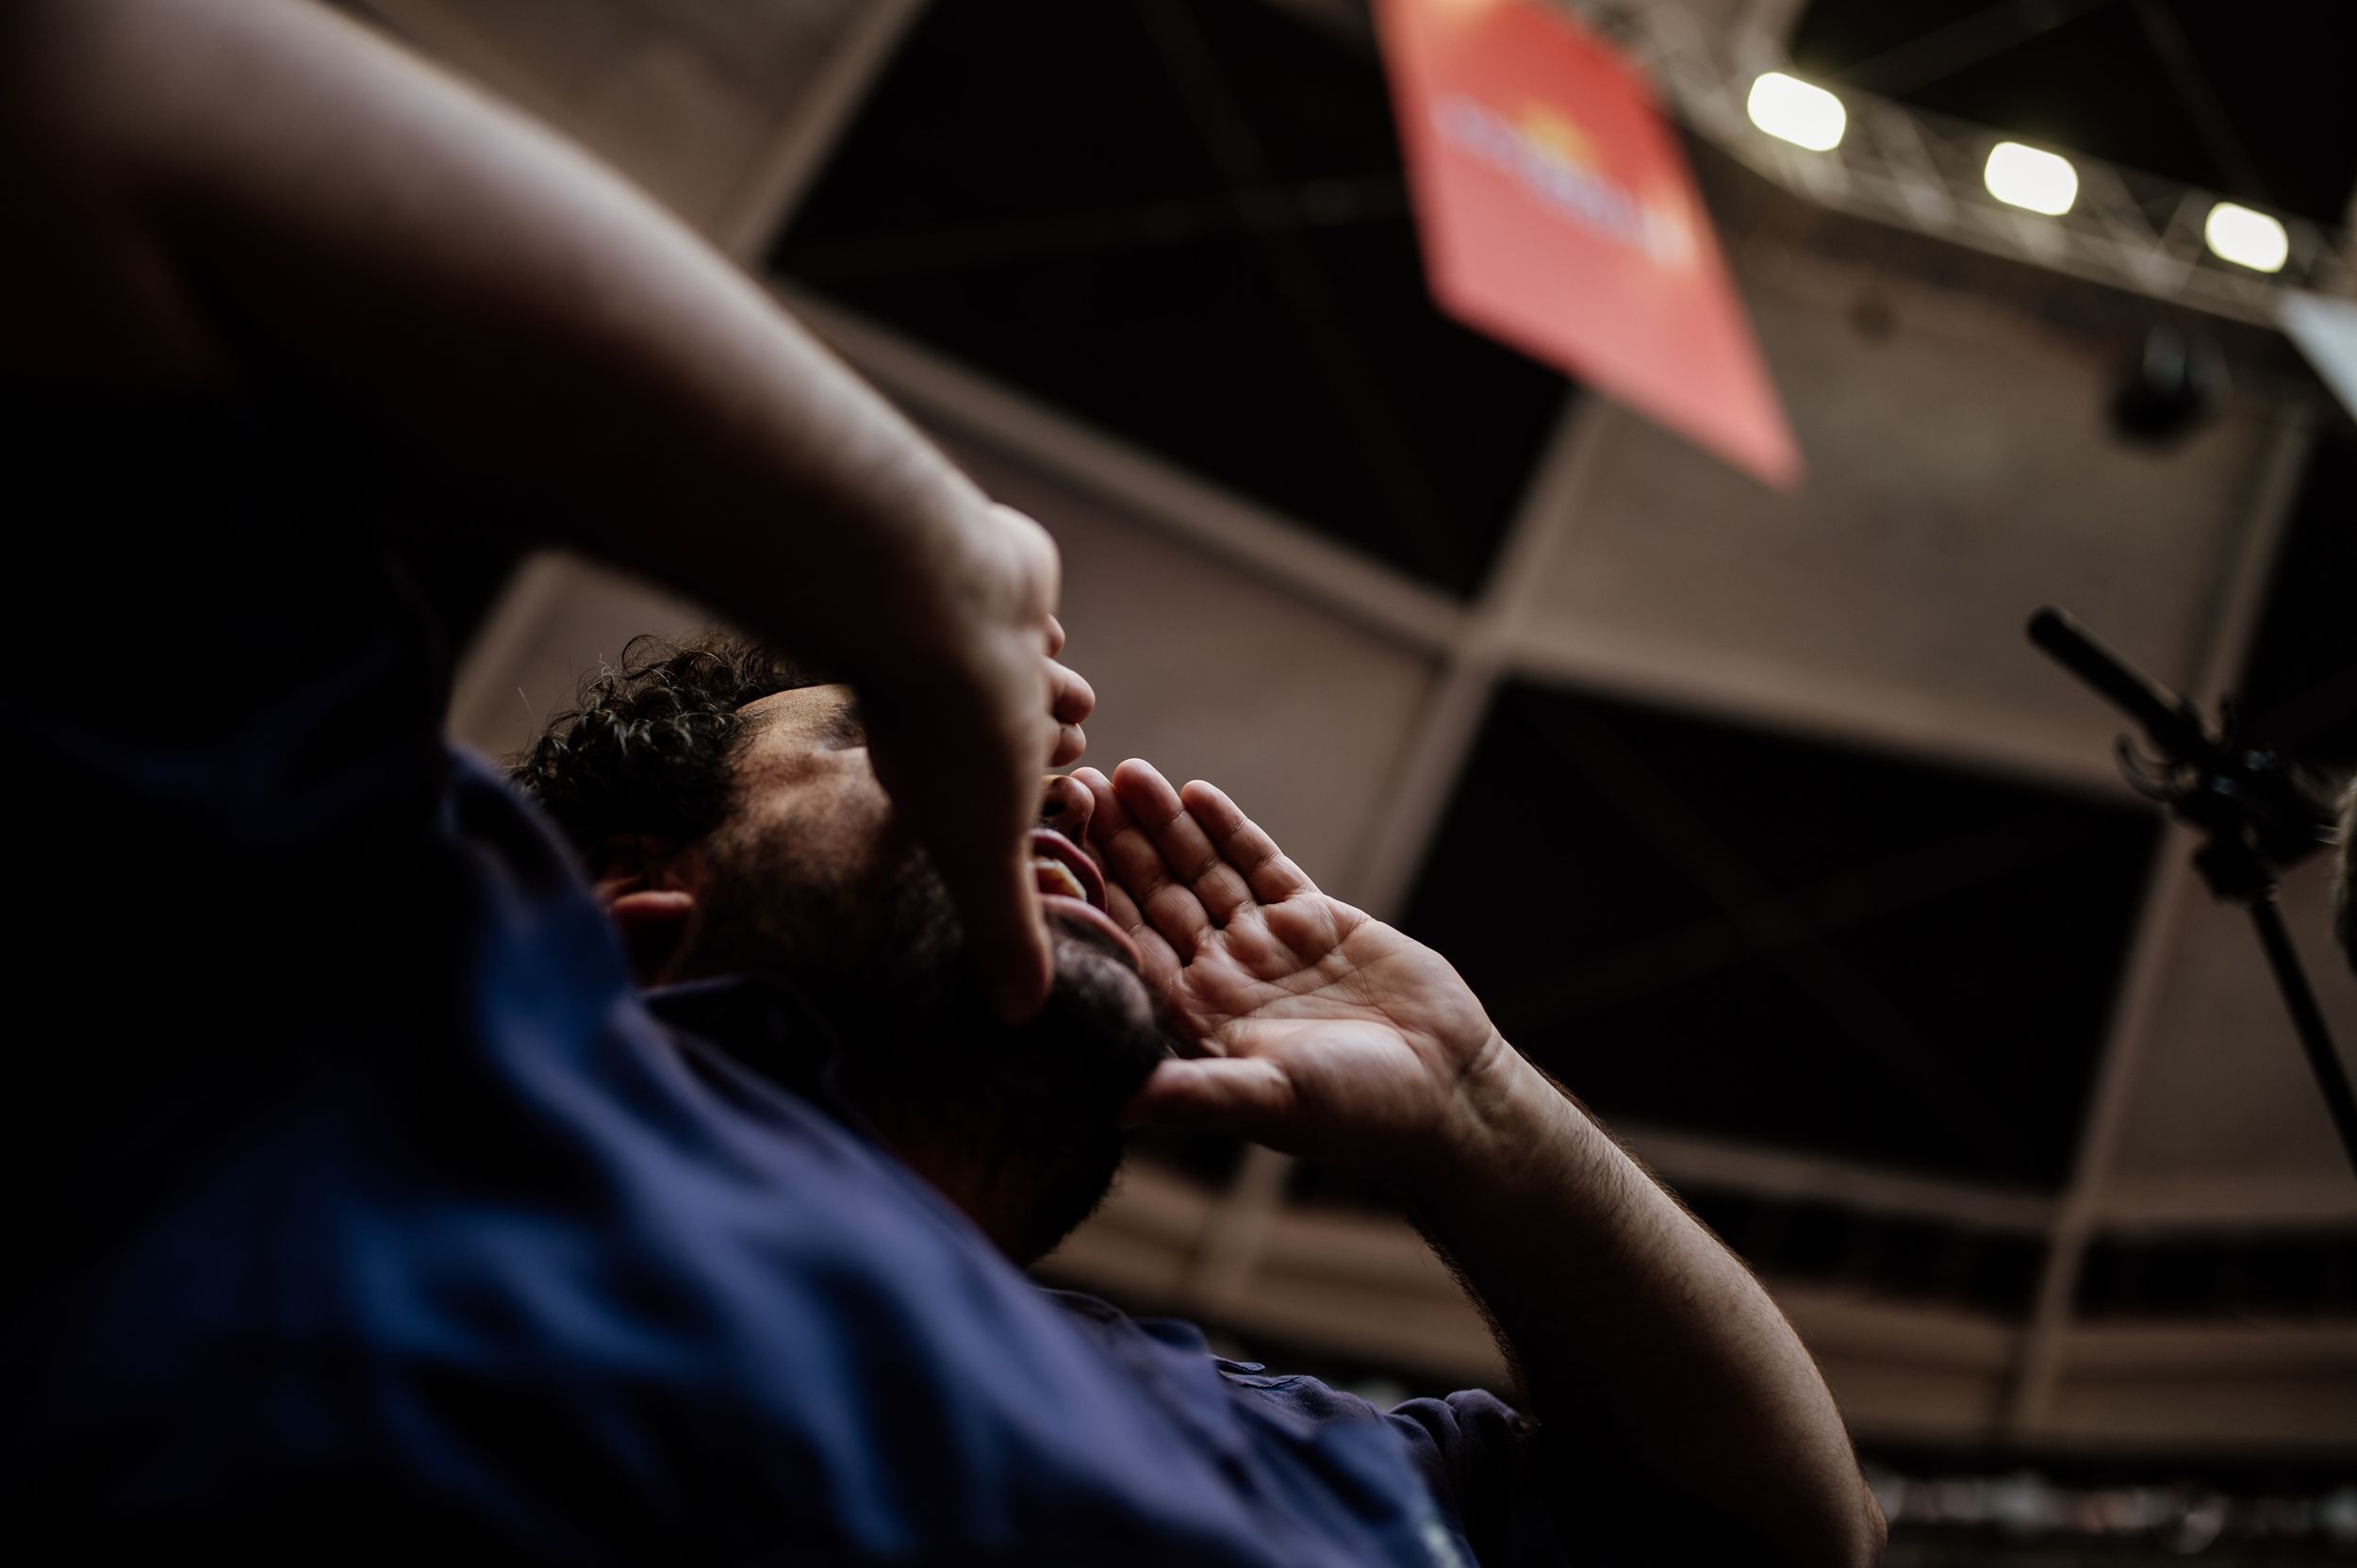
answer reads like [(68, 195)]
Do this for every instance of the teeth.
[(1056, 877)]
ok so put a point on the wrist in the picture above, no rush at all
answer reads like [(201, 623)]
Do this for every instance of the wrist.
[(1500, 1104), (974, 586), (1505, 1119), (912, 587)]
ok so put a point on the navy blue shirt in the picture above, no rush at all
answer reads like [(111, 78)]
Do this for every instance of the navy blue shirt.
[(372, 1212)]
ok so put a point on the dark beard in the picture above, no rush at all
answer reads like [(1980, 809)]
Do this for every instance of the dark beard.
[(1022, 1118)]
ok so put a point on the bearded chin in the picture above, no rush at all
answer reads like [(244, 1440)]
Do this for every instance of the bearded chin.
[(1025, 1114)]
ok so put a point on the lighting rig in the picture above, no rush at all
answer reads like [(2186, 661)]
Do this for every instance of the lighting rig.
[(1877, 158)]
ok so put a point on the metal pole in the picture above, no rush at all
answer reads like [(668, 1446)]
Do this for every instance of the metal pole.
[(2308, 1018)]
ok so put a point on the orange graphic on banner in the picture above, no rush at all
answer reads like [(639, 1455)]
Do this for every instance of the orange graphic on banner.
[(1557, 214)]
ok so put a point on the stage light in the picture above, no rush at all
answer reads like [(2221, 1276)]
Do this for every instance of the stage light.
[(2026, 178), (2248, 239), (1794, 112)]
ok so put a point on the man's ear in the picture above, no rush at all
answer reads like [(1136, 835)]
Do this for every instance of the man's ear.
[(649, 891)]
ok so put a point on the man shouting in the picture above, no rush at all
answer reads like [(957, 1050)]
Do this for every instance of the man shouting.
[(740, 842)]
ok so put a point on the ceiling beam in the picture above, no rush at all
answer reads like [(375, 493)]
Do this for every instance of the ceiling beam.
[(816, 125), (1148, 488), (1477, 656)]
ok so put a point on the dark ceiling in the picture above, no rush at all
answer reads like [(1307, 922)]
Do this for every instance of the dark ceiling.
[(1743, 932), (2300, 685), (1184, 222)]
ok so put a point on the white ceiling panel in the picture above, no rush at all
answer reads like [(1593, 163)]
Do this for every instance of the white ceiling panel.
[(1961, 473)]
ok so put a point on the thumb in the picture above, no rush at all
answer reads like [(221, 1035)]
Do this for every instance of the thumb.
[(1006, 932), (939, 771), (1238, 1095)]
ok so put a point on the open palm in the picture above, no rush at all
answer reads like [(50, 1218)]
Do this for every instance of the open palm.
[(1323, 1031)]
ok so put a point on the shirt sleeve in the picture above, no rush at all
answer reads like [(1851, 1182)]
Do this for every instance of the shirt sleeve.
[(1521, 1501), (1485, 1465)]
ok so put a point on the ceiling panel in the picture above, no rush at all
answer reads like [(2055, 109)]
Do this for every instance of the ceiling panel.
[(1961, 472), (1728, 930)]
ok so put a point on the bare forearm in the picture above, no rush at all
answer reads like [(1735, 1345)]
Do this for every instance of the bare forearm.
[(507, 313), (1638, 1335), (321, 219), (1332, 1035)]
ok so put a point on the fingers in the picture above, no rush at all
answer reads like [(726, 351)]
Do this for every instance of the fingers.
[(958, 723), (1159, 960), (967, 784), (1070, 701), (1031, 551), (1190, 861), (1167, 905), (1070, 698), (1244, 845), (1186, 849)]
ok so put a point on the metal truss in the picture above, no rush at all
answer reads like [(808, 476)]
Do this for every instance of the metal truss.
[(1901, 166)]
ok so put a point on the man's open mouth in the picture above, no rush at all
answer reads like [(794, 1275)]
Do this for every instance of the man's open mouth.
[(1072, 886)]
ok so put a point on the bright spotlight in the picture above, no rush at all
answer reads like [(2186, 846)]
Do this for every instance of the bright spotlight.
[(2024, 176), (1804, 115), (2247, 238)]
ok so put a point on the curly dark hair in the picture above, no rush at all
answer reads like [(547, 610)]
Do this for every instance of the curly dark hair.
[(650, 745)]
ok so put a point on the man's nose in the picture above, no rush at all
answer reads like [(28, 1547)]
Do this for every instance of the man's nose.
[(1065, 804)]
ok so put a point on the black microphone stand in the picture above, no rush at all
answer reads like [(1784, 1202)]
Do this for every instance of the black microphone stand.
[(2258, 814)]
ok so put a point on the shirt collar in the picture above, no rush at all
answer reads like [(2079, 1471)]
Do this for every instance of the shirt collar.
[(764, 1027)]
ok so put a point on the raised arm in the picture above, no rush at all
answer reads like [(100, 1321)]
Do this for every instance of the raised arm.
[(1644, 1344), (257, 194)]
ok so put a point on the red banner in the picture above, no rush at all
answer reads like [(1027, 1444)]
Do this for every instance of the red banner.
[(1557, 215)]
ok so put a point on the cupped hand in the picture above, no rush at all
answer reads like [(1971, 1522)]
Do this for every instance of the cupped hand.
[(960, 717), (1323, 1031)]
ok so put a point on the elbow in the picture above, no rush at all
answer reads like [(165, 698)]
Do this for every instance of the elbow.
[(1852, 1532), (1874, 1532), (1845, 1530)]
